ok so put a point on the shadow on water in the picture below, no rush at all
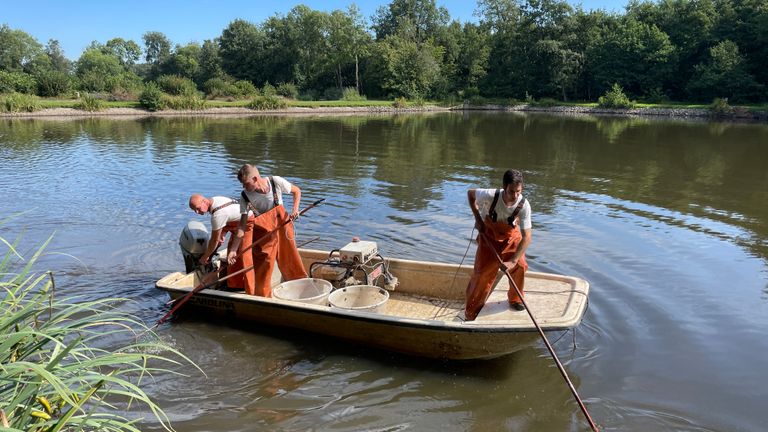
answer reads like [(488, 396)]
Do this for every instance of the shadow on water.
[(317, 347)]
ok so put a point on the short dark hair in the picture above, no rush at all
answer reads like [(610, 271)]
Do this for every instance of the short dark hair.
[(512, 177), (242, 173)]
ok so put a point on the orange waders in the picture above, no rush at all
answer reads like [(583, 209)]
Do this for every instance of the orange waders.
[(505, 239), (245, 280), (279, 246)]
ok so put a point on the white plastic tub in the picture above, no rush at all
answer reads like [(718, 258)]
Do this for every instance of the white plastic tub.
[(367, 298), (308, 290)]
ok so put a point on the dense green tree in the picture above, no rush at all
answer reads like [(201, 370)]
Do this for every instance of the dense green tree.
[(636, 55), (242, 50), (422, 17), (724, 74), (58, 60), (127, 51), (157, 47), (689, 24), (209, 62), (348, 40), (745, 22), (411, 68), (184, 61), (94, 69), (17, 49)]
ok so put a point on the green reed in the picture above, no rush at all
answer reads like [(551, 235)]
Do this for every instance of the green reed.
[(55, 374)]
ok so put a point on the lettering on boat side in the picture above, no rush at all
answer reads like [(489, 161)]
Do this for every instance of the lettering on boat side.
[(213, 303)]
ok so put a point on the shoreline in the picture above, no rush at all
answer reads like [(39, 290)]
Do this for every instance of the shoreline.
[(683, 113)]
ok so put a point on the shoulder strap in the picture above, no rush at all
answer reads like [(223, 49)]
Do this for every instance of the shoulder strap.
[(274, 192), (249, 204), (492, 210), (223, 205), (511, 219)]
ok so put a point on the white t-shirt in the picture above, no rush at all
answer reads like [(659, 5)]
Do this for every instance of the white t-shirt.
[(484, 199), (264, 202), (223, 215)]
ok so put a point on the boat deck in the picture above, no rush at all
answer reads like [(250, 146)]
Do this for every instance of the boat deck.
[(549, 301)]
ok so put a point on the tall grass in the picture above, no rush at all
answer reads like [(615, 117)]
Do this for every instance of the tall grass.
[(55, 372), (19, 102)]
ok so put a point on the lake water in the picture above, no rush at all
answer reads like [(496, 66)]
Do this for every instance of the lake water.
[(667, 220)]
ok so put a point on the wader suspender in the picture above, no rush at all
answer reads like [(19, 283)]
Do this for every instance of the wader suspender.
[(510, 220), (250, 204), (222, 206)]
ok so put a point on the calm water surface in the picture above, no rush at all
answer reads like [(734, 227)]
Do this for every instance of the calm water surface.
[(668, 220)]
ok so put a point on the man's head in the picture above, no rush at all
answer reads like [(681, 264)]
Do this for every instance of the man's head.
[(249, 176), (199, 204), (513, 183)]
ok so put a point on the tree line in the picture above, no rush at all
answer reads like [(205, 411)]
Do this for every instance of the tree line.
[(683, 50)]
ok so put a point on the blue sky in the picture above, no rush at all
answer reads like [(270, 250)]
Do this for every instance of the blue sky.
[(76, 23)]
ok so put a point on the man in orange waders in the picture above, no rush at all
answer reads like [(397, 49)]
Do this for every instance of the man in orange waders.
[(225, 218), (506, 222), (264, 197)]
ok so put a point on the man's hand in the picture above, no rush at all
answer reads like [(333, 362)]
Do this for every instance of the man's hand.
[(231, 257), (204, 259), (510, 265), (294, 215)]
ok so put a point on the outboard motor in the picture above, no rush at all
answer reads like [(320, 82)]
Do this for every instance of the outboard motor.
[(193, 241)]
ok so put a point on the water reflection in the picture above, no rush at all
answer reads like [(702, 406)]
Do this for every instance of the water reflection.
[(666, 219)]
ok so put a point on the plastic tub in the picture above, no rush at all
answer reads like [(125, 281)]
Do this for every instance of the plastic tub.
[(367, 298), (308, 290)]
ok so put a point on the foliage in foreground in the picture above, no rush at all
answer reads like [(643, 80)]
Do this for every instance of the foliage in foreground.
[(55, 374)]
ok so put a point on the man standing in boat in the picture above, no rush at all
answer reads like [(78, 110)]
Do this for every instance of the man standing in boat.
[(264, 197), (504, 216), (225, 218)]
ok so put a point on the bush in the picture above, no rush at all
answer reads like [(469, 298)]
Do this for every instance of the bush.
[(351, 94), (189, 101), (478, 100), (530, 100), (92, 81), (400, 102), (547, 102), (124, 83), (176, 85), (656, 96), (216, 87), (419, 102), (470, 92), (52, 83), (90, 103), (19, 82), (332, 93), (262, 103), (20, 102), (56, 373), (152, 97), (615, 98), (268, 89), (245, 89), (308, 95), (288, 90), (721, 108)]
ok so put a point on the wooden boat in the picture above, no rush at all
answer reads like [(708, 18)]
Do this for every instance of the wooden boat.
[(424, 315)]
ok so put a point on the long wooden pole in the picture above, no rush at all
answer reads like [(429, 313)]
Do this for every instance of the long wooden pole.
[(204, 285), (541, 333)]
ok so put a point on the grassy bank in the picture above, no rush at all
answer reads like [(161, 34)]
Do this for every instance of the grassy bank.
[(15, 105)]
